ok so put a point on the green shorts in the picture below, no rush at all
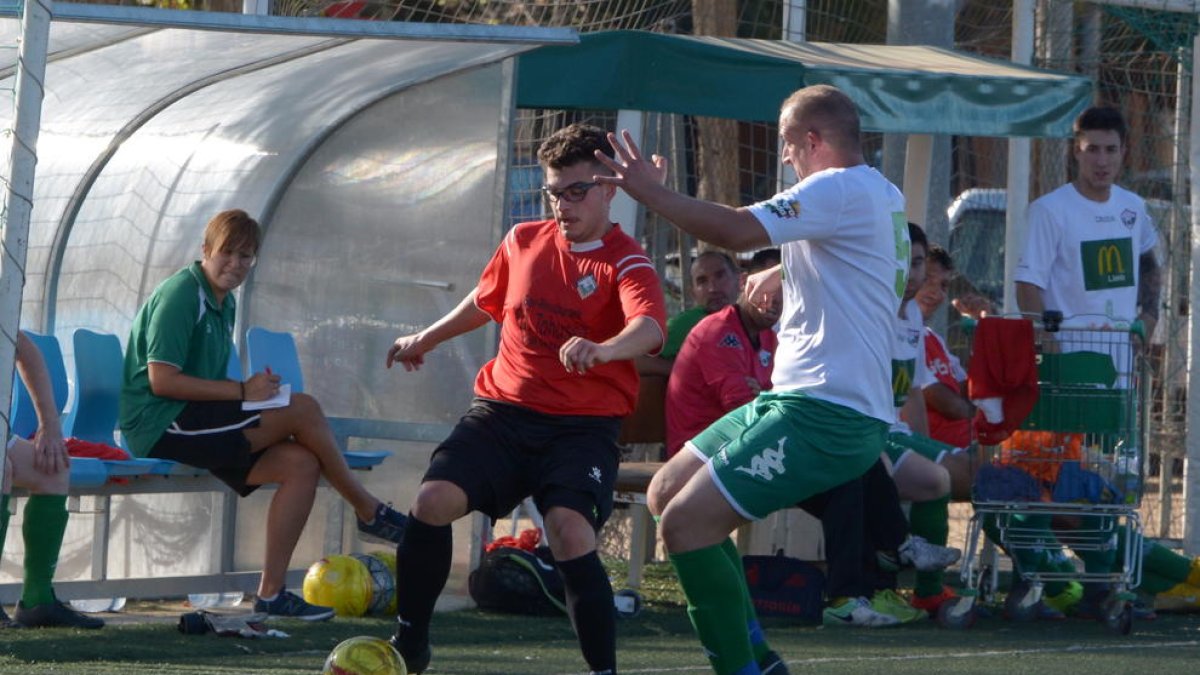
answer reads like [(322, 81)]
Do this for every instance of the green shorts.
[(780, 449), (898, 445)]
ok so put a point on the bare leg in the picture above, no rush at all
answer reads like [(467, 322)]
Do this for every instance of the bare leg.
[(698, 516), (296, 471), (919, 480), (962, 474), (304, 422), (21, 472), (670, 479), (570, 535)]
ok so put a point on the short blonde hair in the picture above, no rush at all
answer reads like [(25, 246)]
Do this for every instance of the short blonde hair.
[(233, 229)]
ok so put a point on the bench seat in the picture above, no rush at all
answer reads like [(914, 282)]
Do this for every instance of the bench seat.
[(89, 474)]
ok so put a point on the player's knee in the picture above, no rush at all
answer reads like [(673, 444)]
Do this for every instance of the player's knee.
[(673, 527), (669, 480), (660, 492), (306, 406), (302, 468), (439, 503), (570, 534), (941, 481)]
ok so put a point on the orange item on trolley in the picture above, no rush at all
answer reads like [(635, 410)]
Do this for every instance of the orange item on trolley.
[(1041, 453)]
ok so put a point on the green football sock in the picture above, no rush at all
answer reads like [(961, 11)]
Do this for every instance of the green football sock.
[(45, 523), (758, 641), (1097, 561), (1026, 557), (3, 520), (930, 520), (716, 607), (1154, 584), (1163, 562)]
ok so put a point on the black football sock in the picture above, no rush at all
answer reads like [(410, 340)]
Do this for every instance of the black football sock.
[(590, 605), (422, 568)]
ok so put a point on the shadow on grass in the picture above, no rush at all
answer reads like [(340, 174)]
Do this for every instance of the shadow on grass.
[(660, 640)]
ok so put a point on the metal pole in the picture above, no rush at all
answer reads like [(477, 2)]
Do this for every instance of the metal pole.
[(1018, 159), (1191, 483), (795, 26), (18, 199)]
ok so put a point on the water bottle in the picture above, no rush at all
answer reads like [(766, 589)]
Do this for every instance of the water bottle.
[(210, 600), (1129, 470), (95, 605)]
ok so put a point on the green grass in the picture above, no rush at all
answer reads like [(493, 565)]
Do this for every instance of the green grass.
[(658, 641)]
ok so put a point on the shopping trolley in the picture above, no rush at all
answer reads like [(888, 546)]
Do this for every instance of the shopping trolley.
[(1071, 476)]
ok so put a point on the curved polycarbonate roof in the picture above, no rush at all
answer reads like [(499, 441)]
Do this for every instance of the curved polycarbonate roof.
[(145, 127)]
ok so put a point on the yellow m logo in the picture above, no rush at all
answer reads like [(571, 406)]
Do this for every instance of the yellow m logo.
[(901, 380), (1108, 260)]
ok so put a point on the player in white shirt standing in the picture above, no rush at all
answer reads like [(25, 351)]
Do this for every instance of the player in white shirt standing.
[(1089, 254)]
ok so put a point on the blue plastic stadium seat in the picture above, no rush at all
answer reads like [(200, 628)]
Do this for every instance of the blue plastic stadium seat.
[(23, 415), (133, 468), (277, 351), (99, 366), (365, 459), (87, 472)]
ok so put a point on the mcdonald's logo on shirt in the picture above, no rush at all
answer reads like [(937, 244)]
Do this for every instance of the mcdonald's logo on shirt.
[(1107, 263), (903, 372)]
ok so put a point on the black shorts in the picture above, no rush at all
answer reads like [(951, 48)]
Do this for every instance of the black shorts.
[(499, 454), (208, 435)]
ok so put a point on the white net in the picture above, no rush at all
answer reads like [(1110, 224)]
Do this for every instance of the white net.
[(8, 60)]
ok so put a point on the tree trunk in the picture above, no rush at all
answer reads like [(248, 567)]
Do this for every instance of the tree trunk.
[(716, 138)]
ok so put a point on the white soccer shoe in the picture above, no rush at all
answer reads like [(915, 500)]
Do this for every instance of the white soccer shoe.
[(926, 557)]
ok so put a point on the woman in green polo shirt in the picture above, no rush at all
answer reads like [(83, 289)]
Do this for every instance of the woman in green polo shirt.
[(177, 404)]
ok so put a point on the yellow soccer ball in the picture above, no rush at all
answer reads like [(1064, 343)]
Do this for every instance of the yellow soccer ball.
[(383, 588), (364, 655), (341, 582), (389, 559)]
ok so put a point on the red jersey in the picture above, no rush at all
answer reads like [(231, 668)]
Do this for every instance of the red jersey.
[(709, 375), (947, 370), (543, 290)]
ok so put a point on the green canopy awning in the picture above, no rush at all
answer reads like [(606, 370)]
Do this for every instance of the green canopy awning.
[(899, 89)]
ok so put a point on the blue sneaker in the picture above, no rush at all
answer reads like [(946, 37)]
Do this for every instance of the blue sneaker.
[(386, 528), (288, 604)]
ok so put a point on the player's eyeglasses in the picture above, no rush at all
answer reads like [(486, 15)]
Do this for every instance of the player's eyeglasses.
[(575, 192)]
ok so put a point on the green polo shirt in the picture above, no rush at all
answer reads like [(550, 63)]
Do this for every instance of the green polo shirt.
[(180, 324), (678, 328)]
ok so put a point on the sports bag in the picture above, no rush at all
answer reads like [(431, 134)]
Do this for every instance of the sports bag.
[(782, 586), (516, 581)]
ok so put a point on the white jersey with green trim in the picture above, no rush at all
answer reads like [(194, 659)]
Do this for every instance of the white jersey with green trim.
[(1084, 254), (844, 242)]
